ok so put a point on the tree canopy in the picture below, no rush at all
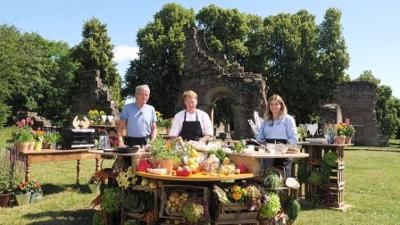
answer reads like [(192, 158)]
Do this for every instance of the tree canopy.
[(303, 61), (36, 75)]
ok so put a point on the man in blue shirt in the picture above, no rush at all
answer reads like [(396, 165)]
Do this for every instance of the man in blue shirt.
[(139, 119)]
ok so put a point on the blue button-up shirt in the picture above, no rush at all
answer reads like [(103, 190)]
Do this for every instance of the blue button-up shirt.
[(138, 121), (284, 128)]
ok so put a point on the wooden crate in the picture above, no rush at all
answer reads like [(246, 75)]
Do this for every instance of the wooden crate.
[(149, 217), (197, 192), (232, 213), (332, 195)]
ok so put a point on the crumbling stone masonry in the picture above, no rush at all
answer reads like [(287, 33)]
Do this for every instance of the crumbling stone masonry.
[(357, 101), (213, 77)]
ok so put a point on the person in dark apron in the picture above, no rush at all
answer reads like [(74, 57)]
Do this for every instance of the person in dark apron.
[(191, 130), (191, 124), (278, 127)]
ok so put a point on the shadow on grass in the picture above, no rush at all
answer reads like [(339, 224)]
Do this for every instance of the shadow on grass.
[(81, 216), (50, 189)]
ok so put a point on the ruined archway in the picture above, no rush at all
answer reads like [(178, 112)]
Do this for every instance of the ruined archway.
[(213, 77)]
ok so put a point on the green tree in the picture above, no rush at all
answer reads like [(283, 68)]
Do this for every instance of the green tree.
[(36, 74), (367, 75), (332, 50), (96, 52), (161, 60)]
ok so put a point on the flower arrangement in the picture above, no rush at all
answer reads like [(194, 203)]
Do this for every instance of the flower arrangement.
[(95, 116), (23, 188), (236, 193), (350, 130), (38, 135), (345, 129), (162, 122), (35, 187), (341, 129), (24, 133)]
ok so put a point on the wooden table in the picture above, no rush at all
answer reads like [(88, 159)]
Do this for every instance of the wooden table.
[(48, 155), (267, 155), (196, 177)]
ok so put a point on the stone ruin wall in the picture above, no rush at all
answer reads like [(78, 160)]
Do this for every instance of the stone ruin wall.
[(92, 94), (212, 77), (357, 101)]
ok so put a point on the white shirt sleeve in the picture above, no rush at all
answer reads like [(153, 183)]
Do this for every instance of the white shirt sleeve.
[(176, 126)]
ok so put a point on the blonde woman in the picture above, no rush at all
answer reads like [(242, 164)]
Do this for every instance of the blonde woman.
[(278, 127)]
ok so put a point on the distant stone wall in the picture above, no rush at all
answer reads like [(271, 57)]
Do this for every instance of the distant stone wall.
[(213, 77), (357, 101), (92, 94)]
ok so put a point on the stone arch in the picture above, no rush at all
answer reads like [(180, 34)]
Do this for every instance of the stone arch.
[(213, 77)]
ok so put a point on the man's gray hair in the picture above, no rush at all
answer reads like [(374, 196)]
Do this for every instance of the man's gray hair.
[(140, 88)]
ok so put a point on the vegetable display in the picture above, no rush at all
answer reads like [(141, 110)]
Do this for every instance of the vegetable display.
[(271, 180), (272, 207), (175, 202), (193, 212)]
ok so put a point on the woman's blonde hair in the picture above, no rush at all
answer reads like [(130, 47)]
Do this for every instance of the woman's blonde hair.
[(189, 93), (268, 113)]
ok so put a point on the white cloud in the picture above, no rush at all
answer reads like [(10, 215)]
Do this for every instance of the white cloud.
[(125, 53)]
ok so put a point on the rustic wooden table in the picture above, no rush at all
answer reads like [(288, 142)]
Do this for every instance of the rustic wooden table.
[(48, 155)]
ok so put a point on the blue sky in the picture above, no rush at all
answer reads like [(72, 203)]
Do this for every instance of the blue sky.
[(371, 28)]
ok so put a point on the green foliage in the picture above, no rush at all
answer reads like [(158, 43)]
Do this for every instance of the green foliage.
[(367, 75), (303, 171), (164, 151), (110, 200), (330, 158), (302, 133), (270, 209), (96, 52), (271, 180), (160, 65), (36, 75), (98, 219), (291, 207), (315, 177), (325, 172)]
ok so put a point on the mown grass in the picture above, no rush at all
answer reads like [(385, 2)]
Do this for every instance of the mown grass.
[(372, 188)]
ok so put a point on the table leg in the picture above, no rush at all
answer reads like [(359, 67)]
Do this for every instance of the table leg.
[(27, 170), (78, 168), (97, 164)]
